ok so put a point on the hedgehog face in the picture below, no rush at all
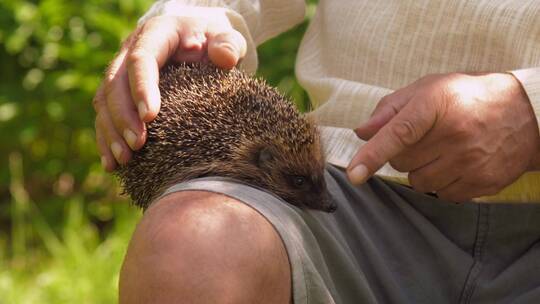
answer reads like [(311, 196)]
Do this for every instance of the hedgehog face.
[(305, 190), (296, 176)]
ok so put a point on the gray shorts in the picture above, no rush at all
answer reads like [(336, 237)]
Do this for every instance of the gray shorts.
[(389, 244)]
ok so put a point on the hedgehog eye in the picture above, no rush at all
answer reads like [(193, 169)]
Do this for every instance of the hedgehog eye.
[(298, 181)]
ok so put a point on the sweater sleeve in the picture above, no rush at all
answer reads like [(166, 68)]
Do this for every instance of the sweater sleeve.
[(530, 80), (257, 20)]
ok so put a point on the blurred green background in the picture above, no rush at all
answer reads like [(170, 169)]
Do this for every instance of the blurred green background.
[(63, 226)]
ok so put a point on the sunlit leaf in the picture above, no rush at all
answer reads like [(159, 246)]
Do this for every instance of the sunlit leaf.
[(8, 111)]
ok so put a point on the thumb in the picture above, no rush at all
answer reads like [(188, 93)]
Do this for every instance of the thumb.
[(407, 127)]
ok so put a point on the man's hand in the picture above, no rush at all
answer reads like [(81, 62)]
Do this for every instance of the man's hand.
[(461, 136), (129, 95)]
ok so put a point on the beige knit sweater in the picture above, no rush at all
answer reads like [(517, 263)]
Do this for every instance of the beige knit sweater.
[(357, 51)]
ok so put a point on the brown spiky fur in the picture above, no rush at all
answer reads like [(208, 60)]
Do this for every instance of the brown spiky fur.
[(224, 123)]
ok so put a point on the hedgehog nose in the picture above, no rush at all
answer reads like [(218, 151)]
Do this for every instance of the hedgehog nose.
[(332, 207), (329, 205)]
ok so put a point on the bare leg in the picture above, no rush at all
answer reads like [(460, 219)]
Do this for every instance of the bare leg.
[(201, 247)]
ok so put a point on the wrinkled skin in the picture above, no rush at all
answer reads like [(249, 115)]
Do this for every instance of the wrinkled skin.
[(460, 135)]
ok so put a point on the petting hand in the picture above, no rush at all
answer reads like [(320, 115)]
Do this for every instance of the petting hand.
[(461, 136), (129, 95)]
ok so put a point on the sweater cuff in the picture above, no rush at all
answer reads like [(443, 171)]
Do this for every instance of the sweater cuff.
[(174, 8), (530, 80)]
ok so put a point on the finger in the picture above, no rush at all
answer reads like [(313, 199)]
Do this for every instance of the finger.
[(227, 48), (115, 143), (116, 96), (193, 43), (425, 152), (388, 107), (99, 99), (122, 110), (192, 55), (157, 41), (407, 128), (107, 159), (435, 176), (410, 160)]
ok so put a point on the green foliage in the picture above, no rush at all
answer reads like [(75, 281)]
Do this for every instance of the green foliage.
[(53, 54), (63, 227), (75, 265)]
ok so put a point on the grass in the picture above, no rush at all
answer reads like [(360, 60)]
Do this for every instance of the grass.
[(75, 265)]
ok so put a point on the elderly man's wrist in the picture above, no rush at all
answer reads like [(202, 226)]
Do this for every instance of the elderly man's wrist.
[(521, 99)]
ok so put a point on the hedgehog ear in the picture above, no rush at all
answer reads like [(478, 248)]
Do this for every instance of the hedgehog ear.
[(264, 156)]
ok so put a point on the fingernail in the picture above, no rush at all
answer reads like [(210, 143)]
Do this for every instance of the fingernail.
[(228, 46), (194, 42), (130, 138), (104, 162), (359, 174), (116, 150), (201, 37), (141, 107)]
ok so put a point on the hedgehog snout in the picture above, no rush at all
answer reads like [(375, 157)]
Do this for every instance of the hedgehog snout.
[(331, 207), (320, 201), (327, 204)]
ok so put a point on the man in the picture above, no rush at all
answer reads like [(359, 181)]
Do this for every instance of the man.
[(468, 130)]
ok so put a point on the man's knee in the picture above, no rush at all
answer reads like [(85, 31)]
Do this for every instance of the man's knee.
[(198, 247)]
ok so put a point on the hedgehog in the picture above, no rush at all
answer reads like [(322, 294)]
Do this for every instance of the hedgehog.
[(215, 122)]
